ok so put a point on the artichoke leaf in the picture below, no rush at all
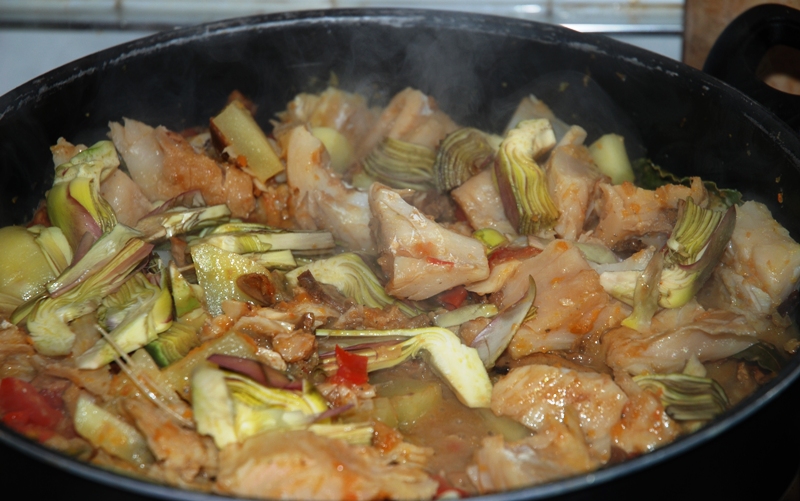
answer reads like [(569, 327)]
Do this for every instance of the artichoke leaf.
[(521, 181)]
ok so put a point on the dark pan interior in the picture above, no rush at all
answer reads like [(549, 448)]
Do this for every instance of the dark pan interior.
[(477, 67)]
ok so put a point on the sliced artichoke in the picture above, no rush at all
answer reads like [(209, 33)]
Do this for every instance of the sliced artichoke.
[(676, 272), (107, 431), (459, 366), (685, 397), (401, 164), (464, 314), (461, 155), (348, 273), (163, 225), (231, 407), (143, 310), (83, 292), (520, 180), (74, 203), (244, 238)]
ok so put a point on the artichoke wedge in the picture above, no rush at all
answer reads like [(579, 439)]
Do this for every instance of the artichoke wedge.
[(243, 238), (230, 407), (74, 203), (685, 397), (348, 273), (461, 155), (84, 290), (521, 181), (162, 225), (401, 164), (676, 272), (143, 311), (458, 365)]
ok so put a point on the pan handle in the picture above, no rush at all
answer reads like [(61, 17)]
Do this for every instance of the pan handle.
[(737, 52)]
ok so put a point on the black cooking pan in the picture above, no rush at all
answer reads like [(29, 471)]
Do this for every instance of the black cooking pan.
[(477, 67)]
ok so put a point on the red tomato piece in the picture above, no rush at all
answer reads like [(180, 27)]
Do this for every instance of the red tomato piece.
[(453, 298), (503, 254), (352, 368), (18, 396)]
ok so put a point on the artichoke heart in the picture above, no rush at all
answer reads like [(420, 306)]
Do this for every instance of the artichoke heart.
[(461, 155), (521, 181), (401, 164)]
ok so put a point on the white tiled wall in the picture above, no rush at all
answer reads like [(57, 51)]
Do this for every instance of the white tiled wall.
[(33, 37)]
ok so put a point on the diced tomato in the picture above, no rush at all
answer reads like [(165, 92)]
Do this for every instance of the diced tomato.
[(21, 403), (352, 368), (453, 298), (20, 422), (502, 254)]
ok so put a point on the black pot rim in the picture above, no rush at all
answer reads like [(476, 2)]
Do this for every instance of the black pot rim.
[(512, 27)]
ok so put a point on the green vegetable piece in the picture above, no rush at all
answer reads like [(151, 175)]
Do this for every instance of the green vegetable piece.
[(650, 176), (520, 180), (685, 397), (609, 154), (338, 147), (217, 271), (147, 313), (462, 154), (458, 365), (179, 374), (490, 237), (351, 275), (74, 203), (352, 433), (82, 288), (235, 128), (464, 314), (411, 399), (675, 273), (179, 220), (22, 279), (173, 344), (212, 406), (243, 238), (401, 164), (55, 247), (495, 337), (765, 355), (107, 431), (282, 259), (183, 296)]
